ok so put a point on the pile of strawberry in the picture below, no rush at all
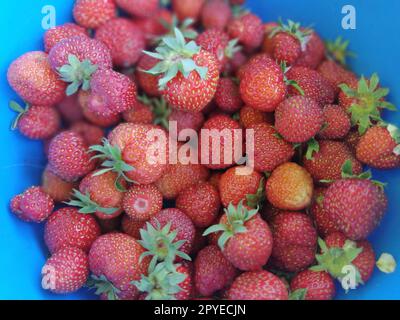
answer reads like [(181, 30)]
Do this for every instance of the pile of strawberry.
[(134, 229)]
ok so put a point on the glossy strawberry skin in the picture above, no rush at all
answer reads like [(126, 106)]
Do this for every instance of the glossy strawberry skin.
[(324, 224), (313, 54), (250, 117), (319, 285), (187, 284), (248, 28), (337, 123), (92, 13), (147, 82), (58, 33), (227, 96), (283, 47)]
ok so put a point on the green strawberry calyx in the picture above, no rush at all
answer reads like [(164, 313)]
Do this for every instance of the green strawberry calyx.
[(295, 30), (87, 205), (20, 112), (312, 147), (299, 294), (175, 56), (160, 243), (77, 73), (237, 216), (288, 82), (161, 283), (161, 111), (368, 102), (338, 50), (232, 48), (334, 260), (185, 28), (255, 200), (103, 286), (113, 162)]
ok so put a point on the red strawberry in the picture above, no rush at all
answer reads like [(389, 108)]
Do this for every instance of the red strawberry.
[(132, 227), (140, 114), (58, 189), (227, 96), (68, 156), (216, 14), (66, 271), (56, 34), (147, 82), (185, 120), (258, 285), (249, 117), (33, 205), (357, 206), (33, 80), (327, 163), (141, 202), (313, 84), (70, 109), (187, 8), (315, 285), (36, 122), (298, 119), (248, 28), (295, 241), (92, 134), (290, 187), (352, 140), (262, 84), (114, 260), (336, 74), (379, 147), (324, 224), (154, 26), (246, 240), (124, 39), (270, 150), (192, 67), (92, 14), (139, 8), (314, 52), (69, 228), (337, 123), (233, 65), (213, 271), (200, 203)]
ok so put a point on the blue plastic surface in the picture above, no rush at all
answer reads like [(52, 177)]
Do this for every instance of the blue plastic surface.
[(22, 251)]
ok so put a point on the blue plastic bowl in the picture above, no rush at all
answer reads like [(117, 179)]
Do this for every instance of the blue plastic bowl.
[(22, 251)]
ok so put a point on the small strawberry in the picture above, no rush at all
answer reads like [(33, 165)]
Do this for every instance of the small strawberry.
[(147, 82), (91, 133), (58, 189), (70, 109), (337, 123), (33, 205), (66, 271), (295, 241), (298, 119), (114, 260), (187, 8), (213, 271), (249, 117), (314, 52), (200, 203), (56, 34), (140, 114), (379, 147), (248, 28), (324, 224), (124, 39), (216, 14), (141, 202), (91, 14), (68, 156), (245, 239), (132, 227), (36, 122), (34, 81), (290, 187), (67, 227), (313, 285), (139, 8), (227, 96), (336, 74), (186, 120), (258, 285)]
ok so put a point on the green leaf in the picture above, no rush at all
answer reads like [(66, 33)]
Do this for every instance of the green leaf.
[(312, 146), (299, 294)]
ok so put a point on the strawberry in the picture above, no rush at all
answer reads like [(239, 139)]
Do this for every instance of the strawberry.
[(213, 271), (33, 80), (379, 147), (239, 183), (99, 194), (200, 203), (324, 224), (248, 28), (336, 74), (357, 205), (258, 285), (124, 39), (246, 240), (141, 202), (327, 163), (70, 109), (67, 227), (314, 85), (191, 67), (139, 8), (270, 150), (314, 52), (262, 84), (186, 120), (56, 34), (147, 82), (352, 140), (313, 285), (36, 122), (249, 117), (216, 14), (227, 96), (91, 133), (337, 123), (68, 156), (58, 189), (298, 119), (187, 8), (295, 241), (66, 271), (114, 260), (290, 187), (33, 205), (155, 26), (140, 114), (238, 59), (131, 227), (92, 14)]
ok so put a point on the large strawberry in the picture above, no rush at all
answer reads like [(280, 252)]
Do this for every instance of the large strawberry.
[(248, 28), (245, 239), (216, 14), (58, 189), (33, 80), (58, 33), (185, 66), (313, 285), (139, 8), (93, 13), (68, 228)]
